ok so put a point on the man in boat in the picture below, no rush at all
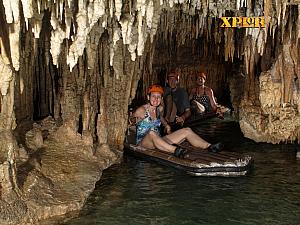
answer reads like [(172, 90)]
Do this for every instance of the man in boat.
[(176, 100), (149, 117), (203, 99)]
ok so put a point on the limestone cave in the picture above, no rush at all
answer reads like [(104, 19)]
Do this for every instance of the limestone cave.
[(70, 69)]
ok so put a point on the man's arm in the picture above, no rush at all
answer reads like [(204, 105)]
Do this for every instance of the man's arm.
[(187, 113), (192, 93), (187, 108), (163, 120)]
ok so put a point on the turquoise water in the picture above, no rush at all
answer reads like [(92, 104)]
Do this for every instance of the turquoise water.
[(140, 192)]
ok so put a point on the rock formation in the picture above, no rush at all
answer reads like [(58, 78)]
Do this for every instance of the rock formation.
[(83, 62)]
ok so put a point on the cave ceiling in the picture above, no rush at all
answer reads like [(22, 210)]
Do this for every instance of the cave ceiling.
[(136, 21)]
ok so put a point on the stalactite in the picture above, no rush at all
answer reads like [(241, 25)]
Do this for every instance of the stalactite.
[(8, 11), (57, 37), (155, 21), (141, 33), (278, 11), (39, 6), (118, 7), (14, 39), (284, 2), (149, 14), (261, 41), (267, 7), (70, 2), (111, 8), (84, 28), (27, 10), (146, 15), (116, 37), (37, 25)]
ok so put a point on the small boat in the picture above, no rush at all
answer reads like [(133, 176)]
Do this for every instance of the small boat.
[(197, 162)]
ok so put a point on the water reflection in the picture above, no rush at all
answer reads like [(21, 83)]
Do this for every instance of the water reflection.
[(140, 192)]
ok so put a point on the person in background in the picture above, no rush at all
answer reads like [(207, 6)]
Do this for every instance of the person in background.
[(177, 103), (202, 97), (149, 118)]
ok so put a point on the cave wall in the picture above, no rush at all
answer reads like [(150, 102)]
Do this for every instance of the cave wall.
[(272, 114), (92, 96)]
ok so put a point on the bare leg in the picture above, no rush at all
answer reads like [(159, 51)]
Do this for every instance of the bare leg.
[(170, 108), (153, 140), (183, 134)]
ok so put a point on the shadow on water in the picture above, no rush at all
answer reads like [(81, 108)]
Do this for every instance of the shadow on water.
[(141, 192)]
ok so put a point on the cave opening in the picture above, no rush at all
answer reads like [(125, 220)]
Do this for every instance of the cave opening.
[(191, 53)]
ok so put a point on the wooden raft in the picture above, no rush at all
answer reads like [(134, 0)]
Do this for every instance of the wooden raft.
[(198, 162)]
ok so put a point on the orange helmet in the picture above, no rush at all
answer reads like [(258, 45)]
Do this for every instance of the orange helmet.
[(201, 74), (155, 88)]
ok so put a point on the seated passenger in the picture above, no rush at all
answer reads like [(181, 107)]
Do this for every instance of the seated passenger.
[(149, 117), (202, 97), (177, 103)]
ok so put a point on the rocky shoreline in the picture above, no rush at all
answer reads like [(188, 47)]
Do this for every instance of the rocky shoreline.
[(56, 176)]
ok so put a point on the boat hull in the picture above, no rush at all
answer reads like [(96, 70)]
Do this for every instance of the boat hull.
[(197, 162)]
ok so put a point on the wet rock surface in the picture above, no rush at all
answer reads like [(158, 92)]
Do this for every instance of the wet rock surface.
[(272, 114), (60, 173)]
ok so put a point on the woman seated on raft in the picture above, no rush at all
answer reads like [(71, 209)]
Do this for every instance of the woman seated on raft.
[(149, 117), (203, 99)]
